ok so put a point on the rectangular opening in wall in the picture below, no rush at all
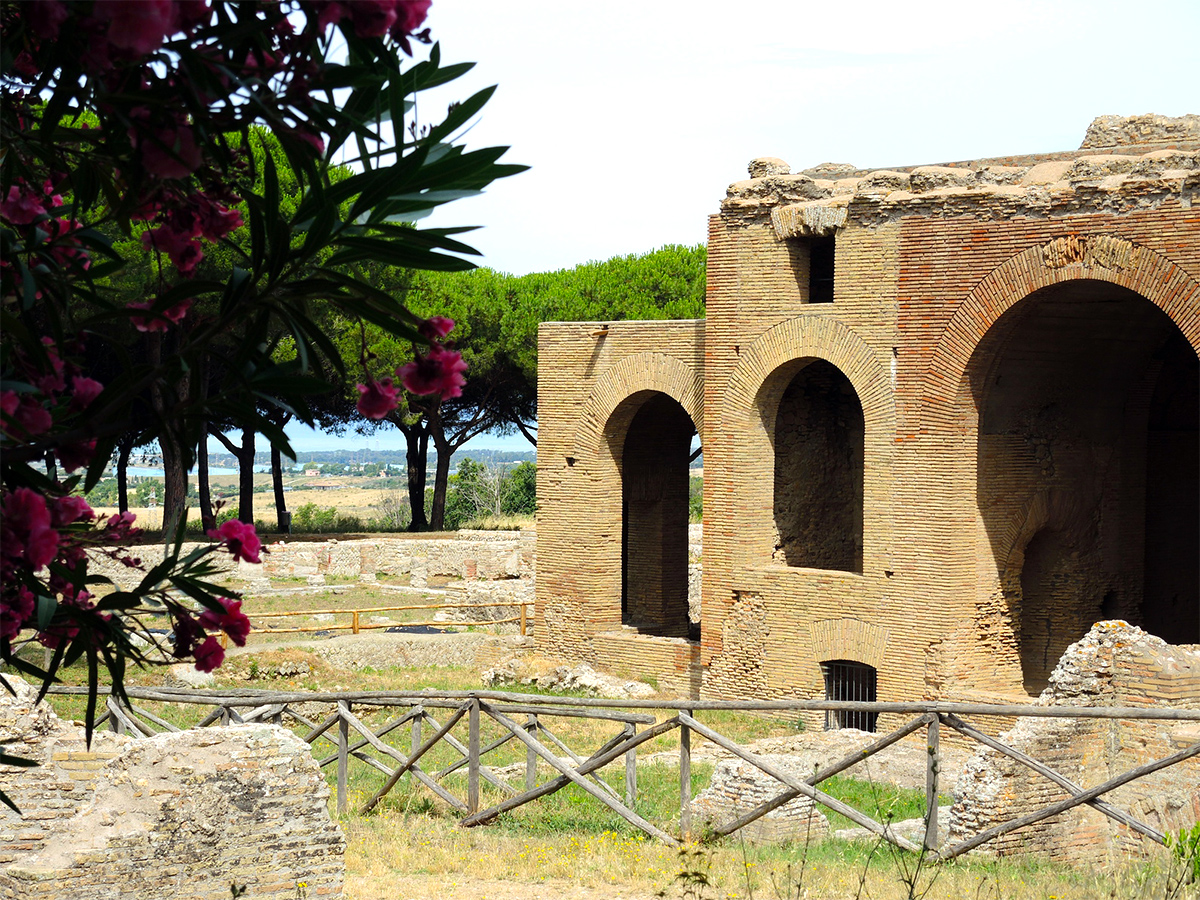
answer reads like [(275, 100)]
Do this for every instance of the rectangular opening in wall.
[(854, 681), (820, 269)]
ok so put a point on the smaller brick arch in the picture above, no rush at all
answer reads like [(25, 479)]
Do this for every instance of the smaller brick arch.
[(813, 337), (849, 639), (750, 403), (1097, 257), (641, 372)]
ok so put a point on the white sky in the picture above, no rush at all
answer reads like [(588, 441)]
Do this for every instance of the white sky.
[(635, 117)]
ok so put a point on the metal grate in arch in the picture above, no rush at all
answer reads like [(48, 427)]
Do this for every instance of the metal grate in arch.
[(846, 679)]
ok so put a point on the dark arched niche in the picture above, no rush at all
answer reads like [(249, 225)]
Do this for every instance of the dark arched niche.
[(818, 499), (1088, 467), (654, 453)]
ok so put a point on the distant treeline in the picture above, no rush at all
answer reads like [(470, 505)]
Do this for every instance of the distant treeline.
[(364, 456)]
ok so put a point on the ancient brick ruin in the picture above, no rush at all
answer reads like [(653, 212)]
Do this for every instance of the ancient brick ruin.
[(949, 417), (183, 815)]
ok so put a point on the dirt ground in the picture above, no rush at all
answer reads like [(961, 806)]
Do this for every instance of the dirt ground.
[(466, 888)]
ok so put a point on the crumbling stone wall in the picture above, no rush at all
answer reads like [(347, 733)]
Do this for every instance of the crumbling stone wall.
[(737, 787), (1021, 335), (1115, 664), (181, 815)]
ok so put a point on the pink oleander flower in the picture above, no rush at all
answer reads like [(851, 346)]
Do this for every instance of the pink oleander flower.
[(183, 249), (215, 220), (46, 17), (22, 206), (410, 15), (374, 18), (440, 371), (371, 18), (171, 153), (54, 380), (232, 621), (15, 609), (435, 327), (171, 316), (377, 398), (9, 401), (33, 417), (120, 527), (84, 391), (70, 509), (239, 539), (138, 26), (26, 531), (209, 655), (76, 456)]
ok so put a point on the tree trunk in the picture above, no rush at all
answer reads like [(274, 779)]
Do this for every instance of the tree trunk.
[(207, 519), (246, 478), (176, 460), (441, 480), (281, 513), (245, 457), (124, 448), (174, 485), (416, 440)]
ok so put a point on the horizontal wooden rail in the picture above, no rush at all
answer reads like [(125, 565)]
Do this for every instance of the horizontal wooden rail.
[(255, 697), (356, 626)]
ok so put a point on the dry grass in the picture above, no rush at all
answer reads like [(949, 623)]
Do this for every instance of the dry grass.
[(406, 844)]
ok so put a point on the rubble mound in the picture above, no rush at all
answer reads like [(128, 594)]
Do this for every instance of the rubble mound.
[(582, 677), (183, 815), (1114, 664)]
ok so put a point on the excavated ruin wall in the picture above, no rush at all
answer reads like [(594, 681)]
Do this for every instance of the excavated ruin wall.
[(182, 815), (1115, 664)]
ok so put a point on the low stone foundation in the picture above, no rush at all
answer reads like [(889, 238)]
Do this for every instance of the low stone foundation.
[(738, 787), (183, 815)]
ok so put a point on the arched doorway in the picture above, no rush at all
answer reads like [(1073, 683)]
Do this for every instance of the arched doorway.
[(819, 437), (653, 459), (1087, 397)]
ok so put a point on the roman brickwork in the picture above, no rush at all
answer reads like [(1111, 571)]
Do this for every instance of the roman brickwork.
[(949, 417)]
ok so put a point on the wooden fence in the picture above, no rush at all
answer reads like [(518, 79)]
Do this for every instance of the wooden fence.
[(356, 624), (431, 717)]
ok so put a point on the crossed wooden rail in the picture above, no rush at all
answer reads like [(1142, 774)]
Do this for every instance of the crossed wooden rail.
[(502, 707), (357, 625)]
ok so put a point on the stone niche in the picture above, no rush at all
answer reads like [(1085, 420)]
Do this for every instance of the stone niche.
[(182, 815), (1114, 664)]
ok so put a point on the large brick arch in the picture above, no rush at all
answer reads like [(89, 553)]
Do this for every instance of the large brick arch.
[(1095, 257), (632, 375)]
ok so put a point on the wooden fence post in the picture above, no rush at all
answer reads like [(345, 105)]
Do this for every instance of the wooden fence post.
[(630, 768), (932, 769), (685, 780), (354, 623), (416, 730), (473, 757), (343, 755), (531, 727), (523, 616)]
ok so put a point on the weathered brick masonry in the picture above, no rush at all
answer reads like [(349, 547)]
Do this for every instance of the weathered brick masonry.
[(183, 815), (949, 420)]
